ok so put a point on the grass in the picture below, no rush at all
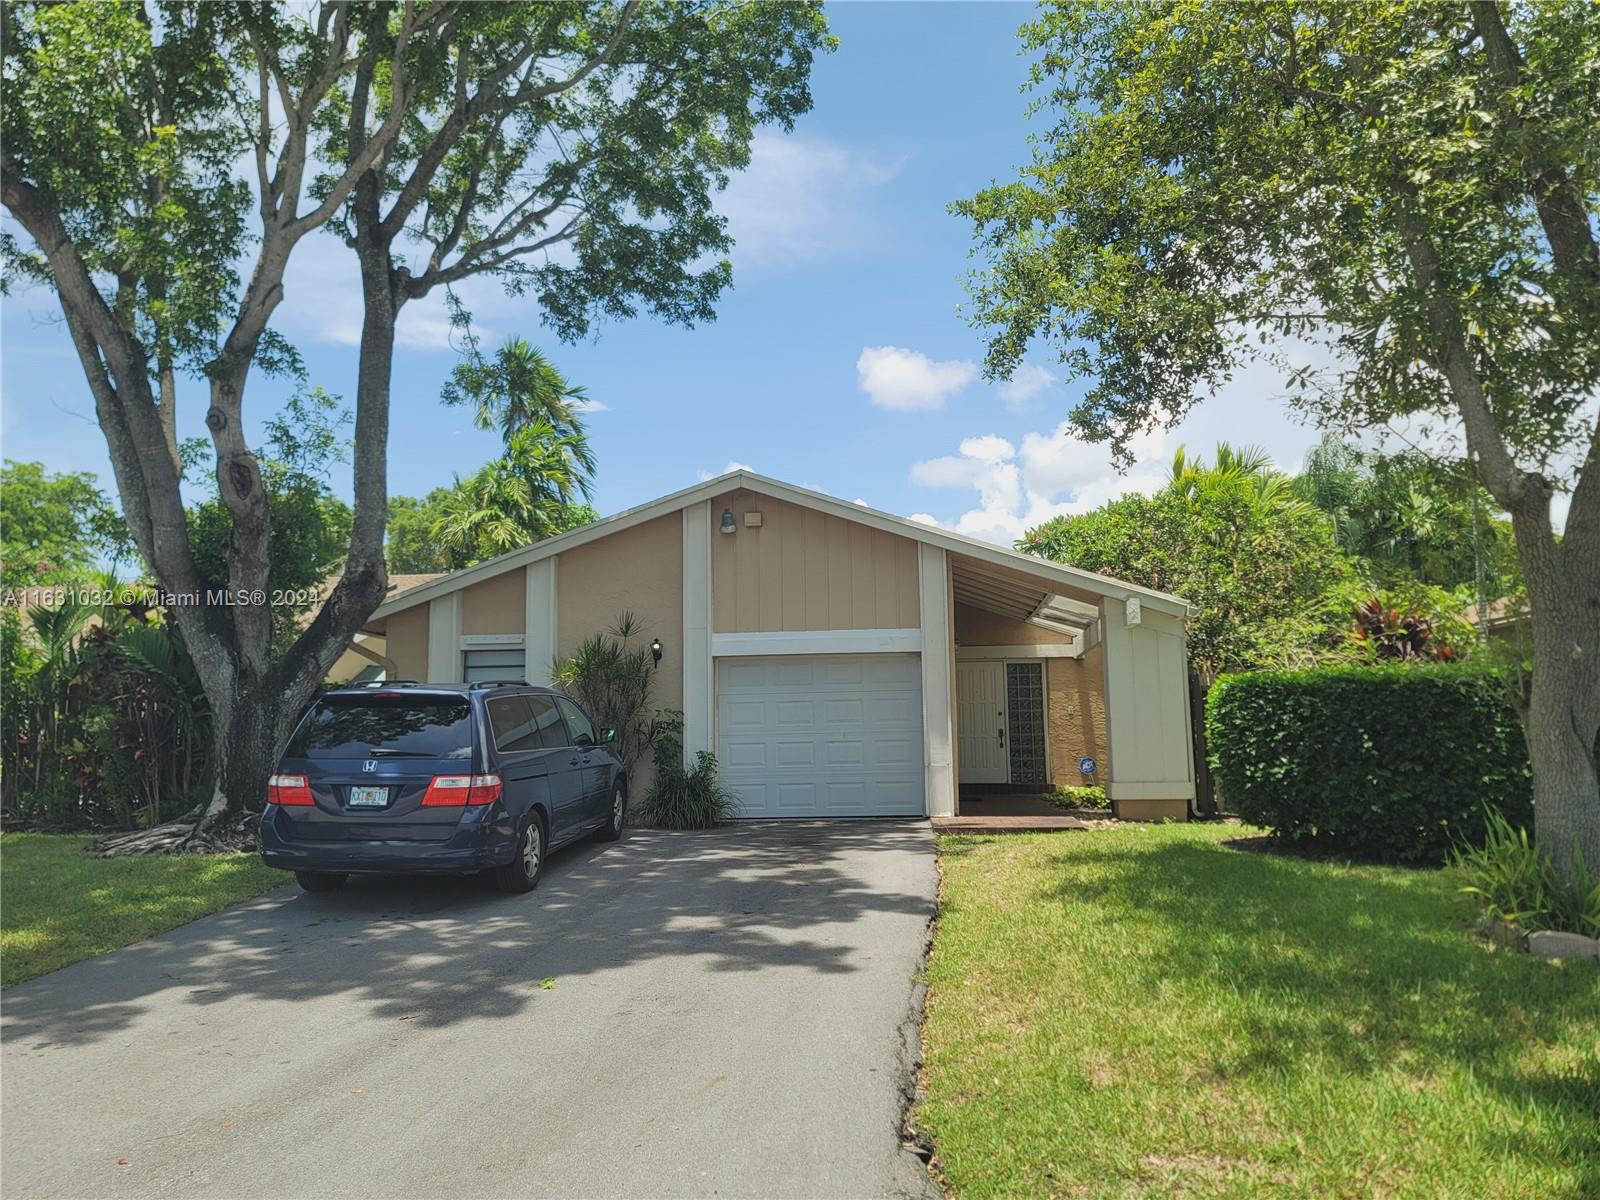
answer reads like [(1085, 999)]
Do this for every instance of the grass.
[(1145, 1012), (58, 905)]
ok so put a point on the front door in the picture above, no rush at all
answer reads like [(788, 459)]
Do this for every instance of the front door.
[(981, 721)]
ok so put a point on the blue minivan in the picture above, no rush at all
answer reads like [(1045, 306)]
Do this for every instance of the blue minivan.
[(405, 777)]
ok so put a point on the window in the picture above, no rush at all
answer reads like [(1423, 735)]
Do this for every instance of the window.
[(361, 726), (502, 662), (552, 733), (582, 728), (513, 725)]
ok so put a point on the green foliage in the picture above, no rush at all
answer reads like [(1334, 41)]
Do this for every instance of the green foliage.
[(518, 386), (1230, 537), (1514, 881), (105, 724), (1080, 796), (1213, 180), (1410, 517), (310, 524), (611, 677), (1385, 763), (683, 797), (54, 527)]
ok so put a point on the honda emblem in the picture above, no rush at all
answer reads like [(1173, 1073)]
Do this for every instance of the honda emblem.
[(370, 765)]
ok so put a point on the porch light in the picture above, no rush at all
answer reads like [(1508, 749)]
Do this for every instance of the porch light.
[(728, 525), (655, 651)]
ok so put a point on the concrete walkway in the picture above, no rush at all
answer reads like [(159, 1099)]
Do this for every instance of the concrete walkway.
[(730, 1013)]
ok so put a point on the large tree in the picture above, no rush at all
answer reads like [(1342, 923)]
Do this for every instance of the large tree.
[(571, 149), (1413, 185)]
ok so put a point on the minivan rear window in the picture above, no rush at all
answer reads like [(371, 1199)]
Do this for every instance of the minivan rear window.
[(368, 726)]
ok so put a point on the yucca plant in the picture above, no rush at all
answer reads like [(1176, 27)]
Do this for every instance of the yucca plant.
[(611, 677), (683, 797)]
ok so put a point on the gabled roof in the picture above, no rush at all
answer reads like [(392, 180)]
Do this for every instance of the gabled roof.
[(1047, 572)]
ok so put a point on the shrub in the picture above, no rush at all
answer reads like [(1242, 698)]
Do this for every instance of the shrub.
[(611, 678), (1088, 796), (1514, 881), (683, 797), (1387, 763)]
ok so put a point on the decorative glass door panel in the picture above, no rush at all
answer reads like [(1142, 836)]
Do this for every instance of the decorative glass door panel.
[(1025, 721)]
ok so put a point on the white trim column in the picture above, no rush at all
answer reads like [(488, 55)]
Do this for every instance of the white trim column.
[(933, 590), (539, 619), (444, 639), (698, 731)]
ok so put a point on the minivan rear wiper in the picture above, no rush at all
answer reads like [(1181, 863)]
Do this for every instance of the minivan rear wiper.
[(385, 752)]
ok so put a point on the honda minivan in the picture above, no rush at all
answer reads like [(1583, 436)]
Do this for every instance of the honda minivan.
[(405, 777)]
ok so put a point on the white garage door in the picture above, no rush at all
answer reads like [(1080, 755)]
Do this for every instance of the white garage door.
[(836, 735)]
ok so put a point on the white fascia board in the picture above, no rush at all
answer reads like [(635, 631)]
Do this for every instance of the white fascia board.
[(818, 641)]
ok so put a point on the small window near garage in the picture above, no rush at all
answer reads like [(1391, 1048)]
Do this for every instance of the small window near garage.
[(499, 663)]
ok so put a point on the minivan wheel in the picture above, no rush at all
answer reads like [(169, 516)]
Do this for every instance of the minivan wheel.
[(522, 873), (321, 881), (612, 829)]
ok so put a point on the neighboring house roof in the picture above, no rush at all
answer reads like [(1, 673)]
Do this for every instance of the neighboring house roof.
[(398, 584), (1048, 572), (1507, 610)]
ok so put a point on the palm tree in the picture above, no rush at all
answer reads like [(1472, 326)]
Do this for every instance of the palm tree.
[(514, 389), (518, 498)]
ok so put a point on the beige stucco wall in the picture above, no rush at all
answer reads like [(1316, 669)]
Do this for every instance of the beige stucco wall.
[(495, 605), (639, 570), (1075, 721), (406, 642), (803, 569)]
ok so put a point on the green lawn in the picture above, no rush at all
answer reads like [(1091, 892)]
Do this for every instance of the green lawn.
[(58, 905), (1145, 1012)]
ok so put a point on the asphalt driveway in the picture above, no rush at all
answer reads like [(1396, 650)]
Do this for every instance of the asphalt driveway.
[(728, 1013)]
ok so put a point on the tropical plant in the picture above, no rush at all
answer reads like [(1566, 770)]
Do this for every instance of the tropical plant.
[(1411, 517), (515, 388), (1411, 188), (518, 498), (1231, 537), (1397, 636), (683, 797), (612, 678), (1513, 880), (165, 163)]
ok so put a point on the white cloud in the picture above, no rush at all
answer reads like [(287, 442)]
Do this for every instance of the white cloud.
[(731, 467), (589, 405), (801, 198), (904, 380), (1026, 382), (1051, 474)]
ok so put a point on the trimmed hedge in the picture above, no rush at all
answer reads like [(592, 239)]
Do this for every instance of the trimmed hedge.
[(1392, 763)]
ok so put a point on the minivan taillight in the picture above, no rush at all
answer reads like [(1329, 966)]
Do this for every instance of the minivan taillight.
[(459, 790), (289, 789)]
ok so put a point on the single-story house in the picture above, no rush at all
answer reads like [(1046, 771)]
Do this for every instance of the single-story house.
[(838, 660)]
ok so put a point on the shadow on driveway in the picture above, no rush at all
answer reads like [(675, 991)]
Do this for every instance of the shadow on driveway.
[(442, 949)]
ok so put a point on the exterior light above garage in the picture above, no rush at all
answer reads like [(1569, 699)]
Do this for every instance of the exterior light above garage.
[(728, 524)]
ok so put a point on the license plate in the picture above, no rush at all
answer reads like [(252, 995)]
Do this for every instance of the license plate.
[(369, 797)]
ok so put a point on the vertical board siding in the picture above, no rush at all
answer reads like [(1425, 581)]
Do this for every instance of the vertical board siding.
[(496, 605), (405, 641), (806, 570)]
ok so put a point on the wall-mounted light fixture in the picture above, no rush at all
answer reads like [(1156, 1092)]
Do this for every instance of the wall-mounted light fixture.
[(728, 525), (655, 651)]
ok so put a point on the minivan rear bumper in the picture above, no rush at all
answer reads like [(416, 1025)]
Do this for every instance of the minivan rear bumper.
[(488, 841)]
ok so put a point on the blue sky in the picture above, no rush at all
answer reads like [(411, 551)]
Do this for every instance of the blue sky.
[(839, 360)]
